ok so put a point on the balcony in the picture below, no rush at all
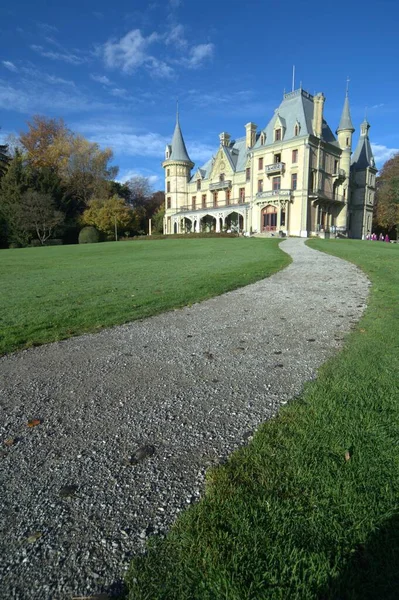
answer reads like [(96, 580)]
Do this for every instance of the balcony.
[(339, 174), (275, 168), (274, 193), (326, 195), (220, 185), (233, 202)]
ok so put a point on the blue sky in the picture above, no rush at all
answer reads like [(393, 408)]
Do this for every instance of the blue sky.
[(113, 70)]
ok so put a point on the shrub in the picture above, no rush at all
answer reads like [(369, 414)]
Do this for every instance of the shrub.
[(54, 242), (35, 243), (89, 235), (14, 245)]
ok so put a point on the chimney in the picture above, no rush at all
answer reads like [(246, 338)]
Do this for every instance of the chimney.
[(250, 134), (317, 123), (224, 138)]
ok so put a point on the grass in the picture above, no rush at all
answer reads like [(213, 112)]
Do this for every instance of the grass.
[(52, 293), (310, 509)]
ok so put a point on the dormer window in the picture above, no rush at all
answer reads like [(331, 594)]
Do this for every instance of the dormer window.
[(277, 135), (221, 177), (297, 129), (262, 139), (198, 184)]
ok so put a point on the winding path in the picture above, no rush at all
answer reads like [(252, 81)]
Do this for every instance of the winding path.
[(191, 384)]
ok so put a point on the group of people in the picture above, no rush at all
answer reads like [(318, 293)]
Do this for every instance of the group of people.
[(376, 238)]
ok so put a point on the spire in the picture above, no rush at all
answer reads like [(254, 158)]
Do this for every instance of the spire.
[(345, 123), (179, 151), (363, 155)]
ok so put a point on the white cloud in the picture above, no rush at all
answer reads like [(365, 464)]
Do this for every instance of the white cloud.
[(154, 180), (383, 153), (10, 66), (119, 92), (101, 79), (175, 37), (199, 54), (130, 52), (378, 106), (65, 56), (47, 27), (36, 95)]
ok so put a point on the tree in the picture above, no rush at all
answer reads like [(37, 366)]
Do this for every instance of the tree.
[(87, 171), (38, 214), (140, 190), (104, 214), (157, 220), (386, 213), (4, 159), (47, 142), (12, 186)]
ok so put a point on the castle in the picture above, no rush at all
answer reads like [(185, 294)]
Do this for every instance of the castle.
[(294, 176)]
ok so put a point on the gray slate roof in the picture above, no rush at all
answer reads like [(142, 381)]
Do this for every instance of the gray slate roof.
[(362, 157), (346, 121), (179, 150), (296, 108)]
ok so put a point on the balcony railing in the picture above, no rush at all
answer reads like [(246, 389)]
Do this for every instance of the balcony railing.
[(339, 174), (275, 168), (326, 195), (211, 206), (272, 193), (220, 185)]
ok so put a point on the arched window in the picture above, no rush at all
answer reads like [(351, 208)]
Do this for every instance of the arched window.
[(262, 139)]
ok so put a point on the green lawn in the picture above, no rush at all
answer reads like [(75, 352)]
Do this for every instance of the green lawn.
[(310, 509), (52, 293)]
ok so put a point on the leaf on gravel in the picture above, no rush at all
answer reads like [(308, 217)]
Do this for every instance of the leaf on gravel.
[(68, 490), (142, 453), (10, 441), (34, 422), (34, 537)]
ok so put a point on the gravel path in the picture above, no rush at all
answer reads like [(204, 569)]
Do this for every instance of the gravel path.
[(187, 387)]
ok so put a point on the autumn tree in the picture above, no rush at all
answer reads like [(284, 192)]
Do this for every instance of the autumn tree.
[(38, 214), (386, 215), (106, 214), (47, 142)]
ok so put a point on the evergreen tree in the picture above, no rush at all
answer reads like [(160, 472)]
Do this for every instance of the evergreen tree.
[(4, 159)]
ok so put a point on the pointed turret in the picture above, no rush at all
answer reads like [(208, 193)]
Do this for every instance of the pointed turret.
[(177, 166), (179, 150), (345, 123), (363, 155)]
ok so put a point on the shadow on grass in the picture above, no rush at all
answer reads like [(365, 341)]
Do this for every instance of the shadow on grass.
[(373, 571)]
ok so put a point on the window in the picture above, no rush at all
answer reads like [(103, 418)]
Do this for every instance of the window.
[(276, 183), (282, 219), (215, 198), (198, 184), (335, 166), (347, 141), (193, 199), (168, 187), (168, 172), (228, 196), (260, 164), (295, 156), (221, 177), (242, 194), (296, 130), (277, 158), (168, 203), (262, 139), (277, 135), (260, 185), (248, 173), (203, 200), (344, 194), (294, 181)]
